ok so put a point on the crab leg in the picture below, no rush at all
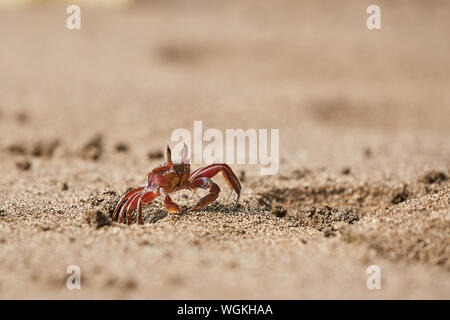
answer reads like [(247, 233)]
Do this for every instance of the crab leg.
[(139, 208), (146, 198), (213, 169), (136, 202), (130, 209), (130, 204), (125, 197)]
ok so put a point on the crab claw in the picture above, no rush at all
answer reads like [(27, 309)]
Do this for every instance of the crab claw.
[(201, 178), (213, 169)]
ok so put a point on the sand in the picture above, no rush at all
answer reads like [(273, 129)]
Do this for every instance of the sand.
[(364, 150)]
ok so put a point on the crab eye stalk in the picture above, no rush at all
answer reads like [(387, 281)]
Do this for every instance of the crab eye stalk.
[(168, 154), (184, 152)]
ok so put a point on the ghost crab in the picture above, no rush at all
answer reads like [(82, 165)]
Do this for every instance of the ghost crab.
[(173, 176)]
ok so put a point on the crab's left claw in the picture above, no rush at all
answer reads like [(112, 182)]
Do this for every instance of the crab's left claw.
[(201, 179)]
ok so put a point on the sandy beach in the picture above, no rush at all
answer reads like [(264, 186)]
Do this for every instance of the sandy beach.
[(364, 149)]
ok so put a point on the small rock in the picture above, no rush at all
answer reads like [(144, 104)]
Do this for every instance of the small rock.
[(242, 176), (17, 149), (93, 149), (346, 171), (44, 149), (46, 227), (155, 155), (324, 218), (300, 174), (401, 196), (38, 150), (434, 177), (105, 201), (279, 211), (130, 284), (22, 117), (367, 152), (65, 186), (23, 165), (328, 232), (97, 218), (121, 147)]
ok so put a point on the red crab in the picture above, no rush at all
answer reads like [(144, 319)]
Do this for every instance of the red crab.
[(173, 176)]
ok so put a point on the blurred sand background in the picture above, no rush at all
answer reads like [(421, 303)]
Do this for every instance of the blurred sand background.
[(364, 140)]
